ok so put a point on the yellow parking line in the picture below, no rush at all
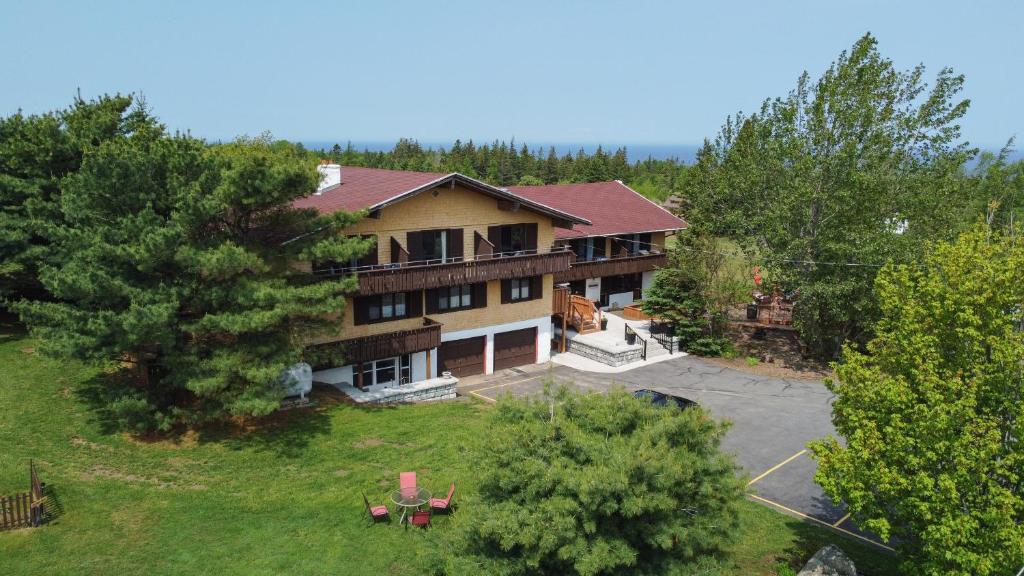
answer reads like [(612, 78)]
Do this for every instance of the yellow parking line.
[(507, 384), (841, 520), (815, 520), (482, 397), (777, 466)]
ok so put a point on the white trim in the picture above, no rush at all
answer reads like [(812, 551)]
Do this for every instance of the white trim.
[(542, 324), (614, 234), (500, 192)]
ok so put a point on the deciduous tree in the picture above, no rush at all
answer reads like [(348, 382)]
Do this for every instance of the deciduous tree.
[(845, 173), (933, 414)]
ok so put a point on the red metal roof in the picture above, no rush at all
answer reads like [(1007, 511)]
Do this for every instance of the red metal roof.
[(374, 188), (611, 207), (365, 187)]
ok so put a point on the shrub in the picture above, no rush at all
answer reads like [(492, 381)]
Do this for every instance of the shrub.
[(709, 346), (595, 484)]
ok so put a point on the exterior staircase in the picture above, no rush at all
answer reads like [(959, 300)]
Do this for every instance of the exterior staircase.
[(577, 311), (584, 316)]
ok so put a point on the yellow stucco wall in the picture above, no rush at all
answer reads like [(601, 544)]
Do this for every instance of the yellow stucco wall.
[(450, 208), (494, 313)]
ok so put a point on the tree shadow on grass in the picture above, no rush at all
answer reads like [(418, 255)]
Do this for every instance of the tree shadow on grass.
[(286, 432), (810, 537)]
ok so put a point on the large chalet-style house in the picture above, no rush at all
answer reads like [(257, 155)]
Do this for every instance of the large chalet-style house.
[(463, 273)]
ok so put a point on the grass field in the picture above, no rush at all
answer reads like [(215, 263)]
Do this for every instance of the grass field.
[(281, 498)]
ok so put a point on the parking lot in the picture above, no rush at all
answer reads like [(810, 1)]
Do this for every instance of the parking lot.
[(772, 420)]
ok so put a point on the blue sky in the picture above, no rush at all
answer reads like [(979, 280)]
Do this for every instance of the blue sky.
[(581, 72)]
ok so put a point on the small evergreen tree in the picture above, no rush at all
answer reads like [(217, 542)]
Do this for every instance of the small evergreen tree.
[(694, 291), (595, 484)]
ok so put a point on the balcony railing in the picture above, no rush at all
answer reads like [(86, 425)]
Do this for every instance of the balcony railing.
[(425, 274), (388, 344), (583, 269)]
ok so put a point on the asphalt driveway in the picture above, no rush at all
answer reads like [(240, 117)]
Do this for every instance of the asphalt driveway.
[(772, 421)]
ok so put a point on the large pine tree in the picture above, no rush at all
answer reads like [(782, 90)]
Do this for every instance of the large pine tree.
[(175, 257), (36, 151)]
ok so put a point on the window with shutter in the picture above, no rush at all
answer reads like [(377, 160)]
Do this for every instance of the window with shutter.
[(383, 307), (454, 298), (523, 289)]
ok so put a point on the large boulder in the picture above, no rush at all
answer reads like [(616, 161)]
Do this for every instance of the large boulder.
[(829, 561)]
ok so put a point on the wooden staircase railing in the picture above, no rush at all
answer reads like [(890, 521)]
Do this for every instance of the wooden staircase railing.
[(584, 316), (577, 311)]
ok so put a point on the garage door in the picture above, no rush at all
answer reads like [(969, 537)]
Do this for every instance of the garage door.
[(515, 348), (462, 357)]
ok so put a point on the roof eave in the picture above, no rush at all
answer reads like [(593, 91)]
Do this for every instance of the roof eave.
[(479, 186)]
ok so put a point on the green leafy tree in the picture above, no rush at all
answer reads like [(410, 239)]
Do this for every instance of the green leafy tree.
[(177, 257), (595, 484), (703, 278), (36, 152), (933, 415), (860, 167)]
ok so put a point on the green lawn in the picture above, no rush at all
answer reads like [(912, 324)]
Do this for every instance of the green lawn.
[(282, 498)]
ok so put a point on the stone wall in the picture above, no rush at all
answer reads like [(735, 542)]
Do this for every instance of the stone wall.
[(424, 391), (616, 358)]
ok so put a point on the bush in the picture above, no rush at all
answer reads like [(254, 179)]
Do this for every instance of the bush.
[(709, 346), (595, 484)]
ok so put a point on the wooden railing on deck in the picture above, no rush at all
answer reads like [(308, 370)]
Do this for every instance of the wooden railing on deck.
[(388, 344), (583, 269), (407, 276)]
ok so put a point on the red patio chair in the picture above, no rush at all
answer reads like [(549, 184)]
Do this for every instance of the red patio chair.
[(407, 484), (443, 504), (376, 512), (420, 518)]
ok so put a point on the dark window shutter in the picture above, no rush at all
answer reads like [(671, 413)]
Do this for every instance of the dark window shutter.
[(531, 236), (431, 296), (455, 243), (480, 295), (494, 237), (370, 259), (506, 291), (414, 244), (536, 287), (398, 253), (361, 311), (414, 303)]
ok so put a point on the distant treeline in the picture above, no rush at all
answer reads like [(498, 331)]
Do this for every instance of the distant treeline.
[(506, 164)]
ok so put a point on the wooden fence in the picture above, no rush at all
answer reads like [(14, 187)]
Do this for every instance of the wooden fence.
[(24, 509)]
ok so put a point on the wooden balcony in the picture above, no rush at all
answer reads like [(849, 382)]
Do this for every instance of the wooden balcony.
[(403, 277), (581, 270), (388, 344)]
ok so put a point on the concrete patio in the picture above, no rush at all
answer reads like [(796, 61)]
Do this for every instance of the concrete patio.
[(607, 351)]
